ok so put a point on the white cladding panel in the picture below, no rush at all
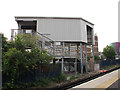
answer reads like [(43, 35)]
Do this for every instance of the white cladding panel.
[(84, 31), (62, 29)]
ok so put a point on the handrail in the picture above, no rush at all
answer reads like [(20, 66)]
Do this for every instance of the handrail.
[(49, 44), (44, 36), (36, 32)]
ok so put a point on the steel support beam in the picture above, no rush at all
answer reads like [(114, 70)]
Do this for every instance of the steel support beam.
[(63, 51), (54, 48), (69, 48), (76, 60), (93, 56), (81, 58), (86, 58), (75, 67), (43, 44)]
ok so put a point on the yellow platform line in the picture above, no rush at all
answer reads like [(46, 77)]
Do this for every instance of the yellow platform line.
[(107, 83)]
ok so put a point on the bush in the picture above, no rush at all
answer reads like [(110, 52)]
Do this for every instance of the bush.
[(97, 58), (42, 82), (60, 78), (72, 77), (16, 60)]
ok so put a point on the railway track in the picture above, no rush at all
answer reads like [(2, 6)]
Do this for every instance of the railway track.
[(80, 81)]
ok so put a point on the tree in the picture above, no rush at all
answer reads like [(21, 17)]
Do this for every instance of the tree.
[(17, 60), (96, 57), (4, 43), (25, 60), (109, 52)]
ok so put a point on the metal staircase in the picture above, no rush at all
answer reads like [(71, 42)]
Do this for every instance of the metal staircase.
[(64, 50), (43, 42)]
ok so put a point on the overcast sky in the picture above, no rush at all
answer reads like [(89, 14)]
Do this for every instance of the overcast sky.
[(103, 13)]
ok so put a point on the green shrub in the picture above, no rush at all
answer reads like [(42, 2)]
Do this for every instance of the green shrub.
[(43, 82), (72, 77), (60, 78), (16, 60)]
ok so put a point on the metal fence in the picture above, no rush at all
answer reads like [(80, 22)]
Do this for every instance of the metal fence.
[(109, 63), (44, 71)]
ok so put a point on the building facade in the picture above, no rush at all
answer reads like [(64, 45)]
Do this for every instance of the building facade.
[(62, 37)]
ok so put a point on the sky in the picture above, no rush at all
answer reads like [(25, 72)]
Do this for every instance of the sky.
[(102, 13)]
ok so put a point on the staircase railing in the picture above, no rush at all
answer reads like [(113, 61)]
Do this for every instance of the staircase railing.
[(43, 42), (46, 43)]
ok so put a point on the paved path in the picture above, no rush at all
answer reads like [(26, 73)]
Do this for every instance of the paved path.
[(104, 82)]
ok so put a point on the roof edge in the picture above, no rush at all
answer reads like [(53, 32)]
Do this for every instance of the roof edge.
[(36, 17)]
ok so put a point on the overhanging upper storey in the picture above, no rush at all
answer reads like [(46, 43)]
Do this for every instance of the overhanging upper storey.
[(67, 29)]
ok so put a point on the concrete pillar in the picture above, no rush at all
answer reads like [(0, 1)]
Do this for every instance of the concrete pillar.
[(81, 58), (63, 51), (86, 58)]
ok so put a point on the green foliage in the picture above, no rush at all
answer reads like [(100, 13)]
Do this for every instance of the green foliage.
[(24, 41), (42, 82), (60, 78), (102, 58), (16, 60), (110, 67), (72, 77), (88, 58), (4, 44), (109, 52), (96, 57)]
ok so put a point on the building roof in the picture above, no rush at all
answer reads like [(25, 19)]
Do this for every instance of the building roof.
[(37, 17)]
